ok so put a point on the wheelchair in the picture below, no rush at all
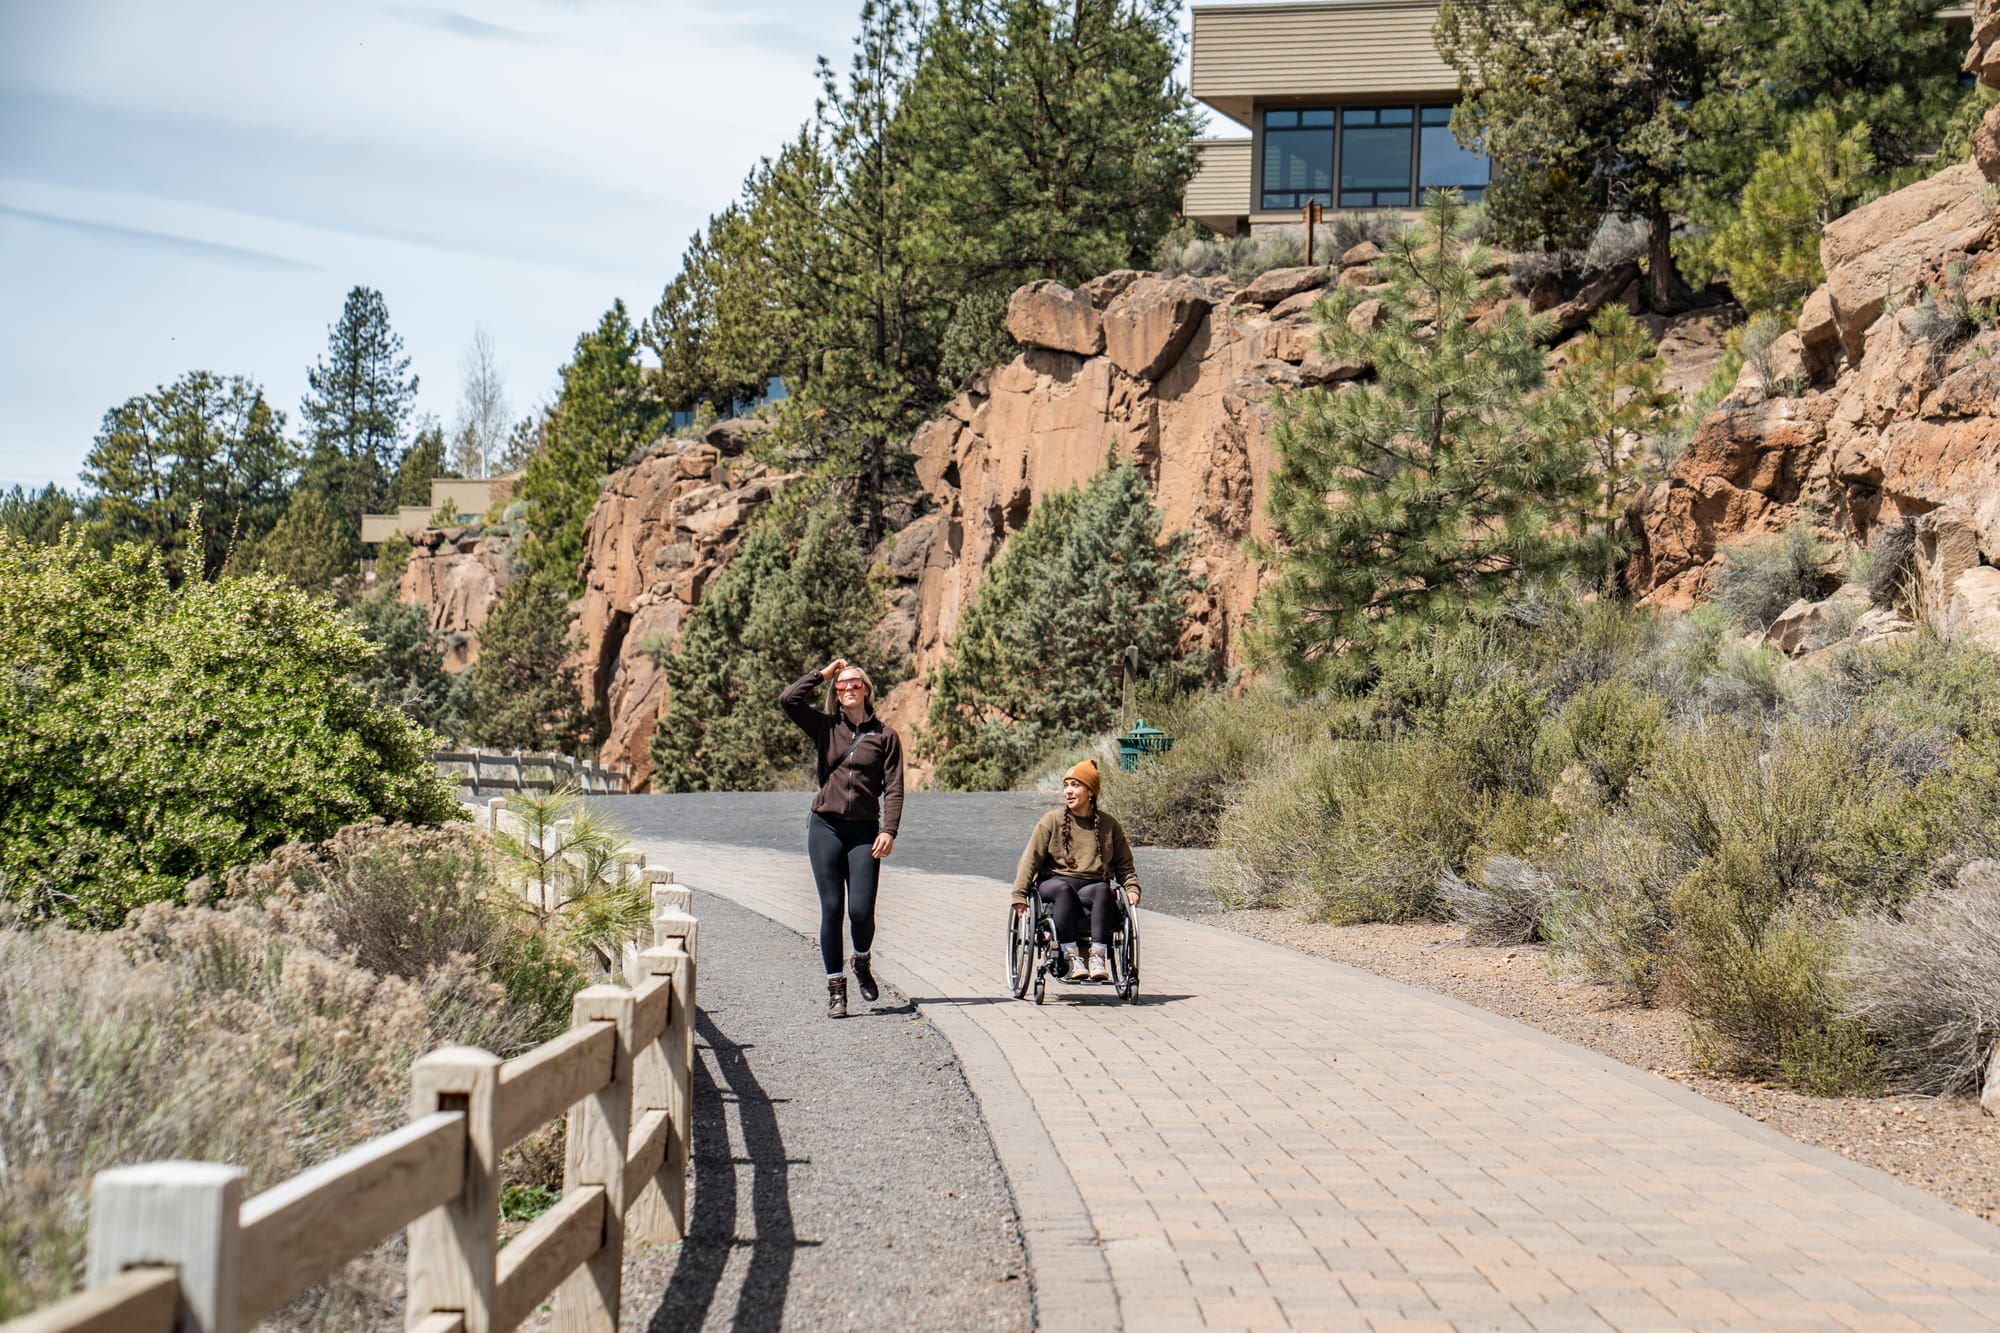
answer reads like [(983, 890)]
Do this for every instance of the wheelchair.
[(1034, 954)]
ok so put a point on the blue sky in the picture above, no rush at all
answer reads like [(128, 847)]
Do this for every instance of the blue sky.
[(196, 184)]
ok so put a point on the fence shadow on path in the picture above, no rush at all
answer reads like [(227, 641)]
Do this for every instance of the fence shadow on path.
[(712, 1215)]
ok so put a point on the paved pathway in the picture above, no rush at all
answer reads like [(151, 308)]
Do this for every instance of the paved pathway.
[(1272, 1140)]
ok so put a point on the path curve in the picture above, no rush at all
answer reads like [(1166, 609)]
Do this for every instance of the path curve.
[(1274, 1140)]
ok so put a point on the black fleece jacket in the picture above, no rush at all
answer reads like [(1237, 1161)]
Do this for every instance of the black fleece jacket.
[(869, 784)]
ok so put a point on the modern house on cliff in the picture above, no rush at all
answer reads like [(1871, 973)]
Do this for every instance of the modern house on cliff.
[(1348, 104)]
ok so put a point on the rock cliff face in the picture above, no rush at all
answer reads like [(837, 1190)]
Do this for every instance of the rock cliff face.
[(458, 578), (662, 529), (1176, 374), (1881, 405)]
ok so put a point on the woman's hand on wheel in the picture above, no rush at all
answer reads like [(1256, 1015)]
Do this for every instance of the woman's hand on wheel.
[(1020, 909), (884, 844), (828, 672)]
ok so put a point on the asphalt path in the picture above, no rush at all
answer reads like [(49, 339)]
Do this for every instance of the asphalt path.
[(842, 1176), (951, 833)]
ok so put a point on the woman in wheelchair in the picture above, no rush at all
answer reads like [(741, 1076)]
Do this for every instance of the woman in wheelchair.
[(1072, 858)]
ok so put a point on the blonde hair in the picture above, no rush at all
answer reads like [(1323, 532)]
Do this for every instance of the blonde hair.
[(833, 694)]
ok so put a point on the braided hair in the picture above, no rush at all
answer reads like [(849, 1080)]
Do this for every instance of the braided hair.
[(1103, 847)]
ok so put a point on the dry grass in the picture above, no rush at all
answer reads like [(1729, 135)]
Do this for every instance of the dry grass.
[(249, 1033)]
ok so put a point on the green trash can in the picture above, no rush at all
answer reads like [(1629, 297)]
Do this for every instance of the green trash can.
[(1142, 739)]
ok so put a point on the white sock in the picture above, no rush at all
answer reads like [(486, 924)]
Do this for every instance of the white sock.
[(835, 976), (862, 955)]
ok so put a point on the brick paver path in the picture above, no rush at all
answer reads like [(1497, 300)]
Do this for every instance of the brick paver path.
[(1271, 1140)]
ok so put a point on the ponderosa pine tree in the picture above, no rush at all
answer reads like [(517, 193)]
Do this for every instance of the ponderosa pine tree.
[(358, 399), (1052, 139), (310, 547), (1889, 65), (777, 611), (204, 443), (1036, 661), (605, 412), (421, 463), (1431, 492), (1770, 246), (526, 692), (37, 516), (1585, 111), (1610, 397)]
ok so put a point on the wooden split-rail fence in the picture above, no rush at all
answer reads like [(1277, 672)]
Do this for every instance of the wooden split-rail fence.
[(516, 770), (174, 1247)]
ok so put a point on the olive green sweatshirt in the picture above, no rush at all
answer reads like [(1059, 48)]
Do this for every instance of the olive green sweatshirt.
[(1044, 856)]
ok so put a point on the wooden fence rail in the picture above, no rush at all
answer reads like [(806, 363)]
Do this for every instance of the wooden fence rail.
[(515, 770), (175, 1248)]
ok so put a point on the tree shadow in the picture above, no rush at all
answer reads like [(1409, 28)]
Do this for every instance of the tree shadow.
[(712, 1220)]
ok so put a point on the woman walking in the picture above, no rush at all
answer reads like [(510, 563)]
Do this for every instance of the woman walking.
[(859, 761), (1073, 857)]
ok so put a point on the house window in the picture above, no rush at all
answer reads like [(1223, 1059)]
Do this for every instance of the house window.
[(1376, 147), (1442, 162), (1298, 158), (1383, 157)]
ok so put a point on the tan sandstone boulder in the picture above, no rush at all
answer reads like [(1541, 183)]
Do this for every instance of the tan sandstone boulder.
[(1889, 247), (1048, 314), (1151, 323)]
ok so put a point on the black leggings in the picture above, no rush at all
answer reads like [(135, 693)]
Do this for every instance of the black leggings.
[(842, 852), (1076, 904)]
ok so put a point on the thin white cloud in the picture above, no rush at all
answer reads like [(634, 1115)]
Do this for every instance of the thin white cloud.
[(161, 241)]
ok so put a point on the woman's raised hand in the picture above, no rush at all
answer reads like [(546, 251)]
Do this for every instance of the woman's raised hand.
[(833, 668)]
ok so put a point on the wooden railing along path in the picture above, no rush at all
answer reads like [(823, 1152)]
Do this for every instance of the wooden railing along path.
[(175, 1248), (515, 770)]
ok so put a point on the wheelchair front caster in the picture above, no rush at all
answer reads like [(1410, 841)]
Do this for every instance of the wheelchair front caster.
[(1041, 986)]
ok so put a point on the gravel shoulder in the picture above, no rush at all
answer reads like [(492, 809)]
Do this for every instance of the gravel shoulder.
[(1946, 1148), (842, 1175)]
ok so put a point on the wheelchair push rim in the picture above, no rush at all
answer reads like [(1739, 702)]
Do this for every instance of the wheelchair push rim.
[(1020, 951)]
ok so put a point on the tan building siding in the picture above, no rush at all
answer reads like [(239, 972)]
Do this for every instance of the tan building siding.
[(1268, 52), (1219, 194)]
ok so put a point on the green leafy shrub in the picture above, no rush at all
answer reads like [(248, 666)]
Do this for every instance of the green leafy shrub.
[(1610, 727), (1753, 971), (151, 734), (1488, 736), (1176, 799), (1611, 908), (1268, 838)]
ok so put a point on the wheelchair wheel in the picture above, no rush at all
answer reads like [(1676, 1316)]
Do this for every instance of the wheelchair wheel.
[(1041, 986), (1020, 952), (1126, 961)]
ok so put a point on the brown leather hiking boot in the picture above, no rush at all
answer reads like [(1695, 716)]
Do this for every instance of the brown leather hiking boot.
[(836, 997), (864, 977)]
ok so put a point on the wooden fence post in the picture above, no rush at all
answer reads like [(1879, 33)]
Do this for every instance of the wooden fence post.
[(671, 918), (453, 1248), (599, 1135), (178, 1214), (661, 1082)]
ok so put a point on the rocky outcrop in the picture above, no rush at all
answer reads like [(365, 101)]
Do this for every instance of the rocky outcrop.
[(1983, 61), (1184, 389), (457, 576), (660, 532), (1881, 405)]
